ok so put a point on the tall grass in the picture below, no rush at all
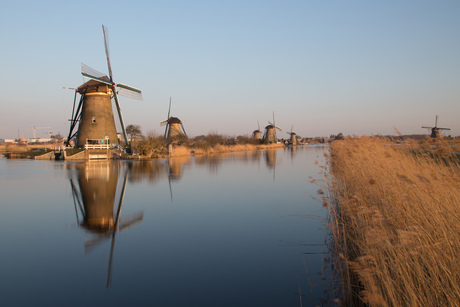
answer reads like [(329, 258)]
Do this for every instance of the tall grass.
[(395, 222)]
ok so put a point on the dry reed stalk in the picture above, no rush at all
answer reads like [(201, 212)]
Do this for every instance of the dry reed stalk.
[(395, 219), (178, 151)]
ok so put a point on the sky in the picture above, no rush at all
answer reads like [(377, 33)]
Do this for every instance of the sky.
[(323, 67)]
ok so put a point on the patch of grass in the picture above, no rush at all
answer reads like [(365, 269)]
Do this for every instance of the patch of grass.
[(395, 220)]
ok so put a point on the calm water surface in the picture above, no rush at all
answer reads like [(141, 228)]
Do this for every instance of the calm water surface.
[(238, 229)]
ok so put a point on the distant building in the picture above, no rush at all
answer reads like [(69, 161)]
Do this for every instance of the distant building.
[(39, 141)]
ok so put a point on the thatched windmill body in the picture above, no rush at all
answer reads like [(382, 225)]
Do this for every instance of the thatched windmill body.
[(270, 132), (94, 115), (174, 127), (435, 131), (256, 134), (293, 137)]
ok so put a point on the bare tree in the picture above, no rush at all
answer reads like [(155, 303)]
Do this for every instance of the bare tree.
[(134, 132)]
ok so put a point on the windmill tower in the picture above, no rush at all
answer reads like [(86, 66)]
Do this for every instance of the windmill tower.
[(435, 130), (270, 132), (257, 133), (174, 127), (94, 111), (293, 137)]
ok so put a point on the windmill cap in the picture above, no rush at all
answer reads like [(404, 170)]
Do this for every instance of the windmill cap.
[(92, 86), (174, 120)]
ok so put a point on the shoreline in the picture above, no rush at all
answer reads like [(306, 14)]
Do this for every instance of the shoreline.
[(45, 151)]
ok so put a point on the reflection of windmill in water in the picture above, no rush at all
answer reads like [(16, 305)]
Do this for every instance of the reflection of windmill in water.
[(174, 128), (175, 166), (94, 111), (94, 198), (293, 137), (175, 170), (257, 133), (270, 159), (435, 131), (270, 132), (292, 150)]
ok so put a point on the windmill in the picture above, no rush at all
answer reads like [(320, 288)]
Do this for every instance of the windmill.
[(256, 133), (174, 127), (94, 111), (293, 137), (435, 130), (270, 131)]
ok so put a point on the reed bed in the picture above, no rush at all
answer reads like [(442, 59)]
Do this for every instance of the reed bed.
[(233, 148), (395, 221)]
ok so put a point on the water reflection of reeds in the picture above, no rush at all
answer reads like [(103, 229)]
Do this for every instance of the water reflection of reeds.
[(213, 161), (148, 170)]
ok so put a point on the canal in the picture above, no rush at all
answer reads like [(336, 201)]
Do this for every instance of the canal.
[(237, 229)]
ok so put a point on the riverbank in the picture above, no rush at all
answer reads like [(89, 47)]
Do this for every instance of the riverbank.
[(33, 151), (395, 221), (187, 151)]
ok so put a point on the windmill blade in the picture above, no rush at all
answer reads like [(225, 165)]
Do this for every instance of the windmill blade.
[(129, 87), (163, 122), (109, 269), (169, 182), (278, 128), (129, 221), (129, 93), (169, 110), (443, 128), (166, 131), (292, 128), (75, 118), (105, 31), (436, 121), (427, 127), (258, 125), (183, 129), (120, 116), (86, 70), (92, 243)]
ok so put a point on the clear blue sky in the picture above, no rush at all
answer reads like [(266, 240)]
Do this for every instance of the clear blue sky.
[(356, 67)]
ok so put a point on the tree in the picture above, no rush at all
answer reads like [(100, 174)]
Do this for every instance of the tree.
[(57, 136), (134, 131)]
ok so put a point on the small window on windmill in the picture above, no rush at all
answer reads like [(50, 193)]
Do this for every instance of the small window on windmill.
[(94, 120)]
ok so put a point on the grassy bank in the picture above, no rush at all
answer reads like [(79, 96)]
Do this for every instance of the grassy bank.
[(395, 221), (154, 146)]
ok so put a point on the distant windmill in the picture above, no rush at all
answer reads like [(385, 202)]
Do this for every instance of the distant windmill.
[(256, 133), (94, 111), (435, 130), (270, 131), (174, 127), (293, 138)]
